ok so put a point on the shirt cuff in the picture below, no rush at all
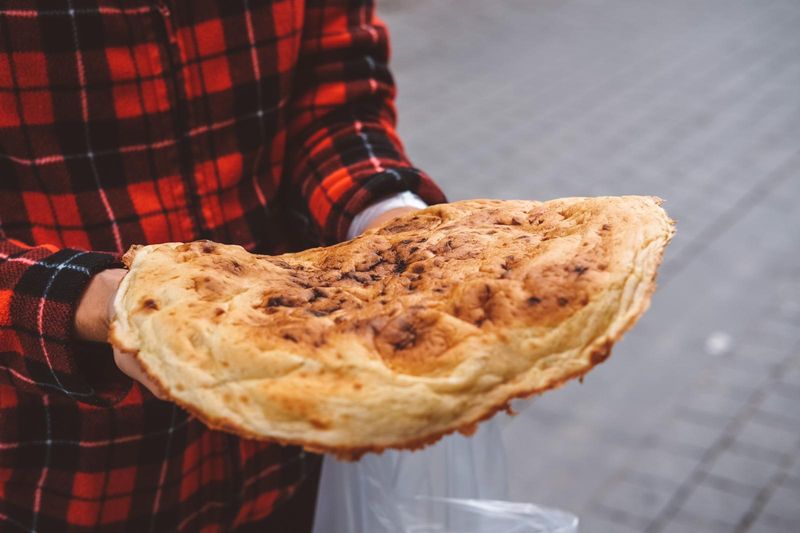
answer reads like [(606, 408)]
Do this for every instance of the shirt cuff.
[(363, 219)]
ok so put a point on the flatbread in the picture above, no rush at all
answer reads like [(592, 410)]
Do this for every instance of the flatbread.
[(423, 327)]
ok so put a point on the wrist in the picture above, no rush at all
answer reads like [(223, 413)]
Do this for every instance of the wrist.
[(386, 216), (376, 214), (94, 310)]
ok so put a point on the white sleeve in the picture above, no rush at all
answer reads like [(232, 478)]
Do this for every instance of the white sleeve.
[(362, 220)]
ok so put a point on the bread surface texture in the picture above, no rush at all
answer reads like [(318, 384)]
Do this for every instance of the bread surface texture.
[(422, 327)]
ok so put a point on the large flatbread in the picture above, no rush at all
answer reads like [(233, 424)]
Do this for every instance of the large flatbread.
[(425, 326)]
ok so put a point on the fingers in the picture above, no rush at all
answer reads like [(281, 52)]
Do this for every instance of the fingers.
[(128, 364)]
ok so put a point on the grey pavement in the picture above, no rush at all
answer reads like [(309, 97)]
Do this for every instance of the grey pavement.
[(693, 424)]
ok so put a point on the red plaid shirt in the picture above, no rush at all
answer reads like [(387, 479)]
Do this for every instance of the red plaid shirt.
[(267, 123)]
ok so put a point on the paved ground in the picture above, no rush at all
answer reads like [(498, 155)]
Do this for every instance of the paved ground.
[(694, 423)]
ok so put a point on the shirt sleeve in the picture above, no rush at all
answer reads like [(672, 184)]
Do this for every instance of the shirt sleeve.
[(373, 211), (343, 152), (40, 287)]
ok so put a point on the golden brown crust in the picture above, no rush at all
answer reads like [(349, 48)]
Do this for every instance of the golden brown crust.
[(421, 328)]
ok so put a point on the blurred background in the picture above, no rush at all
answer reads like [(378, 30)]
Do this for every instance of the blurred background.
[(694, 423)]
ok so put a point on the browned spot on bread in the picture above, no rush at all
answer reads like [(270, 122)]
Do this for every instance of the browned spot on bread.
[(468, 429), (360, 277), (415, 342), (601, 354), (150, 305), (209, 288), (275, 301), (319, 424)]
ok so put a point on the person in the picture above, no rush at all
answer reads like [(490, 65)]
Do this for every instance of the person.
[(265, 123)]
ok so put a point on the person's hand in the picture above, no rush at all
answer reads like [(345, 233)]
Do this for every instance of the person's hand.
[(128, 364), (386, 216), (93, 318), (96, 306)]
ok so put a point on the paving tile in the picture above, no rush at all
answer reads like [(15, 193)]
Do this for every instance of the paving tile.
[(738, 378), (663, 464), (753, 352), (781, 403), (644, 500), (714, 505), (780, 440), (788, 390), (743, 470), (784, 505), (778, 335), (784, 420), (766, 524), (793, 473), (718, 403), (693, 414), (755, 452), (685, 522), (689, 432), (728, 485), (650, 480), (603, 524), (792, 376), (792, 481)]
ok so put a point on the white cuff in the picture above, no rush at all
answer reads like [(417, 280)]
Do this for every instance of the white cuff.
[(362, 220)]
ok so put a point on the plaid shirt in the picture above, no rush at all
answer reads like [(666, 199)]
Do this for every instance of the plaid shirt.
[(267, 123)]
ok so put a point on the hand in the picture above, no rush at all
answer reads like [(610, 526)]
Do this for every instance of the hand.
[(386, 216), (93, 318), (127, 363), (96, 306)]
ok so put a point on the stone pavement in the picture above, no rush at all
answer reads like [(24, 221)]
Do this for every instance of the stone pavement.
[(693, 424)]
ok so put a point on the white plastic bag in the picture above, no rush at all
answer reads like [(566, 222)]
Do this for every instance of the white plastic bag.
[(458, 485)]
